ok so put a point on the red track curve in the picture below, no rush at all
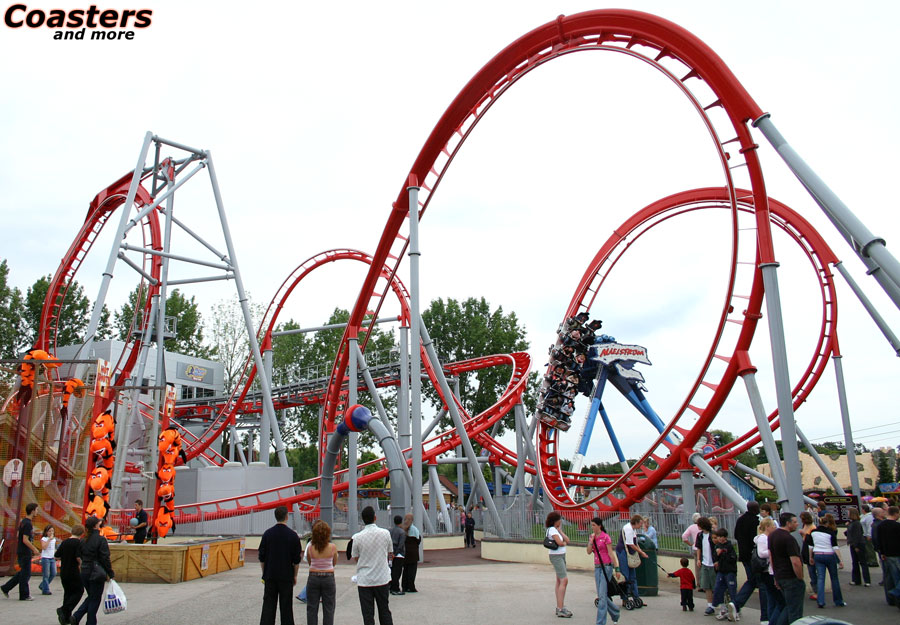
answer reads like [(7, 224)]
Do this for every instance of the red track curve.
[(645, 474), (657, 42)]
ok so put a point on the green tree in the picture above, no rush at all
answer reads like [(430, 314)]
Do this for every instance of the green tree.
[(290, 359), (230, 343), (469, 329), (748, 457), (124, 322), (303, 459), (897, 464), (74, 316), (189, 323), (189, 330), (884, 464), (301, 357), (12, 316), (606, 468)]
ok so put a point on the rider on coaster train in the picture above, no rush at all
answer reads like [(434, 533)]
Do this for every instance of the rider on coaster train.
[(571, 369)]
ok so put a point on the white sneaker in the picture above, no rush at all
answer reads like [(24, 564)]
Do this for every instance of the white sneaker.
[(731, 611)]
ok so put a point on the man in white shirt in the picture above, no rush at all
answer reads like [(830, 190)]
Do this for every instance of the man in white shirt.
[(372, 551), (867, 519)]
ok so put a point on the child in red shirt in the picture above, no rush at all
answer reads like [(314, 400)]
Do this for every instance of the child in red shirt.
[(687, 585)]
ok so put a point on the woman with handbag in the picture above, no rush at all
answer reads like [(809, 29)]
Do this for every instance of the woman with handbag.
[(628, 551), (600, 544), (558, 560), (96, 570), (774, 597)]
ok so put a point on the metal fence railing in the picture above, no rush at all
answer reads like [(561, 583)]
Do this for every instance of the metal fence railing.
[(522, 522)]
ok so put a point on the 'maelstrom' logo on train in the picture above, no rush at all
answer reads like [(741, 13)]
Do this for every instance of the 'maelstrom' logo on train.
[(611, 352)]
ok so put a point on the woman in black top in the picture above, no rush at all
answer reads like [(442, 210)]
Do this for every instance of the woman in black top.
[(69, 553), (96, 569)]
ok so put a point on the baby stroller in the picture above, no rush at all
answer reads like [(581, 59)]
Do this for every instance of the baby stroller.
[(615, 587)]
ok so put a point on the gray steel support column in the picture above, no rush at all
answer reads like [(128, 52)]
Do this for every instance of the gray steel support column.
[(461, 430), (353, 438), (265, 423), (434, 422), (434, 493), (819, 461), (848, 430), (765, 435), (460, 479), (240, 446), (870, 308), (455, 461), (440, 504), (326, 481), (783, 390), (688, 498), (718, 481), (232, 445), (473, 489), (396, 464), (518, 487), (402, 492), (403, 434), (860, 238), (415, 354), (363, 368), (127, 206), (538, 501), (245, 308), (498, 482)]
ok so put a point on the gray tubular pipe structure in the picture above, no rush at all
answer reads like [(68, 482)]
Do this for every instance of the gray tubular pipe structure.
[(392, 455)]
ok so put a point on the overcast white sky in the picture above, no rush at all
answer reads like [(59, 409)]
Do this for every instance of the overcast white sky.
[(315, 112)]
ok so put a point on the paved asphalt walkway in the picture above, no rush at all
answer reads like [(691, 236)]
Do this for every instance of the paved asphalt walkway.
[(455, 587)]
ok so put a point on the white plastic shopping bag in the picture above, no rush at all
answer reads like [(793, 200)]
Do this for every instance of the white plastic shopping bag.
[(113, 598)]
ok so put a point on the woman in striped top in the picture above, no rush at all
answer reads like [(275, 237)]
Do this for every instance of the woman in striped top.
[(825, 554)]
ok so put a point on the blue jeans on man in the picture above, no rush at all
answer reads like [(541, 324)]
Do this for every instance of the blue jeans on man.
[(891, 565), (753, 582), (793, 590), (774, 597), (21, 578)]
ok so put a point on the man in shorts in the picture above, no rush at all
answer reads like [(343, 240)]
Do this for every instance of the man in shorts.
[(705, 564)]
